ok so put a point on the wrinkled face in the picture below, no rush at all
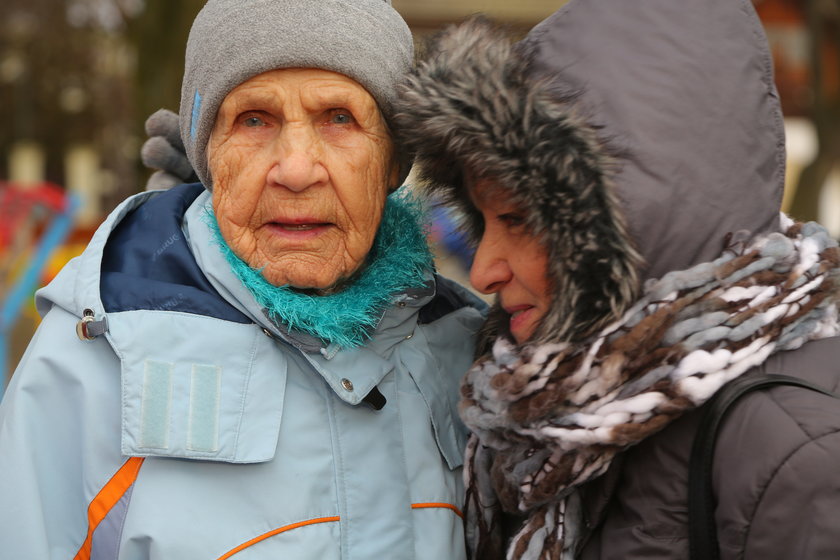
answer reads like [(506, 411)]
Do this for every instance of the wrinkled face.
[(301, 162), (509, 260)]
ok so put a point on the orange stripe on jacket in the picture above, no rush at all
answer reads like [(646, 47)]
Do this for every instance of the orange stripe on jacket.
[(438, 505), (283, 529), (106, 499)]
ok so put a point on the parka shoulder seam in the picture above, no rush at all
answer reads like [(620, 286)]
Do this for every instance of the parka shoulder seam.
[(781, 464), (774, 398)]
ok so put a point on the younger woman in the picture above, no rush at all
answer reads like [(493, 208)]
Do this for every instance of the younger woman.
[(621, 171)]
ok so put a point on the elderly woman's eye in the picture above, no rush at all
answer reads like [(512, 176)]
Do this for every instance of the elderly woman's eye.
[(253, 121), (341, 117)]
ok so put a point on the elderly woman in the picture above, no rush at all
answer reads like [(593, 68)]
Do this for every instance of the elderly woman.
[(621, 170), (263, 365)]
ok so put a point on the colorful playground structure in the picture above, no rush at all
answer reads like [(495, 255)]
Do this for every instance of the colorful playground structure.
[(35, 222)]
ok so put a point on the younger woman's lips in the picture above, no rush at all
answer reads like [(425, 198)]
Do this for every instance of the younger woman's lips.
[(520, 318)]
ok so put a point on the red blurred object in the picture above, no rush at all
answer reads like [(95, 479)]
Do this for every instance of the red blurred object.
[(23, 205)]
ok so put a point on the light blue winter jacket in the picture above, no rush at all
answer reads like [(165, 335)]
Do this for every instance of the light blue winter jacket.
[(193, 429)]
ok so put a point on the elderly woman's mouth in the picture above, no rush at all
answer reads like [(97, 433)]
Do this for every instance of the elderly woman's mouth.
[(299, 227), (298, 230)]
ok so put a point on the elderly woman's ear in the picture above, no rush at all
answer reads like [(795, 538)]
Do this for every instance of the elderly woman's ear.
[(395, 178)]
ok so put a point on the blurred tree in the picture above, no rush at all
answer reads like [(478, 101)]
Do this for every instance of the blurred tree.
[(823, 18), (46, 92), (156, 34), (159, 36), (89, 72)]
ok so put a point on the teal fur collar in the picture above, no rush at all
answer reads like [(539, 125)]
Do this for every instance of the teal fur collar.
[(399, 260)]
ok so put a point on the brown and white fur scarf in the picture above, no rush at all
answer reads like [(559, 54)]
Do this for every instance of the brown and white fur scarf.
[(547, 418)]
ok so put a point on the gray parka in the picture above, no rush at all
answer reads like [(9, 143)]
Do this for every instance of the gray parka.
[(683, 94), (687, 89)]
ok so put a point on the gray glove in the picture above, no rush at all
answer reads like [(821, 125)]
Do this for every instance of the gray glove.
[(164, 151)]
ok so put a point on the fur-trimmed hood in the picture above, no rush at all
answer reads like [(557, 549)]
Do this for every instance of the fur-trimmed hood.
[(636, 137)]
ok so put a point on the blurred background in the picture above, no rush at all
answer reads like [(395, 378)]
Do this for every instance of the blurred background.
[(79, 77)]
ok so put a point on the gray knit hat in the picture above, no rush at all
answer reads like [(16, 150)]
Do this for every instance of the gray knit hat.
[(232, 41)]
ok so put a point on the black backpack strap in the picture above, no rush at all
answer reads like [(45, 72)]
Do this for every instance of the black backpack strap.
[(702, 531)]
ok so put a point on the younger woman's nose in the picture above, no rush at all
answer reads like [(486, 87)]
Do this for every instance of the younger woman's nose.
[(490, 270)]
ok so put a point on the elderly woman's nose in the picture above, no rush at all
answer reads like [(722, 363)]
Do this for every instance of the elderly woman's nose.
[(490, 270), (298, 162)]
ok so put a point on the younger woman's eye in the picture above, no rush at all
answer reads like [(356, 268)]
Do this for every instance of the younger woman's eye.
[(512, 220)]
